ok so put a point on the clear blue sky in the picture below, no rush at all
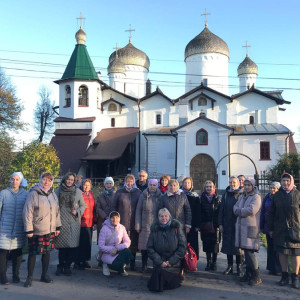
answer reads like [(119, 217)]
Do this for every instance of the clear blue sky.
[(162, 30)]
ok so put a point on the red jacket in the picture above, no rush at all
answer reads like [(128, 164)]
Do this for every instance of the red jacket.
[(88, 217)]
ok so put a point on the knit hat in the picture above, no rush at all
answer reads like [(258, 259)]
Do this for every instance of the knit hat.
[(22, 179), (109, 179), (251, 180), (153, 181), (276, 184)]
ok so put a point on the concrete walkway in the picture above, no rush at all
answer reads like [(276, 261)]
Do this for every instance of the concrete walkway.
[(91, 284)]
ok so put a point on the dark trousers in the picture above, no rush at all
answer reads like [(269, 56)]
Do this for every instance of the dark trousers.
[(121, 260), (85, 245), (16, 257), (192, 238), (238, 259), (251, 261), (273, 264), (66, 256)]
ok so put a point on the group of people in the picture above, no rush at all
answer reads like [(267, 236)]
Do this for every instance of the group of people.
[(156, 217)]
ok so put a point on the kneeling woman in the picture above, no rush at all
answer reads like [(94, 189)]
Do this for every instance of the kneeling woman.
[(166, 247), (114, 243)]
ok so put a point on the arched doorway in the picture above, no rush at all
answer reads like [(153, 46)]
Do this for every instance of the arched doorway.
[(202, 168)]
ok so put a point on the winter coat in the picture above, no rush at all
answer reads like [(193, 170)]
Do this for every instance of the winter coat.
[(264, 215), (146, 213), (194, 202), (227, 219), (70, 229), (142, 187), (166, 244), (104, 207), (12, 235), (285, 208), (120, 240), (247, 210), (89, 214), (178, 206), (125, 203), (41, 212)]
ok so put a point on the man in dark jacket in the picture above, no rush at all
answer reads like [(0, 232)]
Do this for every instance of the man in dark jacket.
[(142, 183)]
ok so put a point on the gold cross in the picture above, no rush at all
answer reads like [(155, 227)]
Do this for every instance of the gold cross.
[(117, 48), (246, 46), (81, 18), (205, 14), (130, 30)]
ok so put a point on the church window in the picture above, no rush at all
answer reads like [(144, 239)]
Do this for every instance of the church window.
[(202, 137), (112, 107), (251, 120), (83, 96), (67, 96), (202, 101), (158, 119), (112, 122), (204, 81), (265, 151)]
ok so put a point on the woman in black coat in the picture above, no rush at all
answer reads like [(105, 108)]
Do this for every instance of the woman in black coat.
[(194, 201), (227, 220), (210, 235), (166, 248)]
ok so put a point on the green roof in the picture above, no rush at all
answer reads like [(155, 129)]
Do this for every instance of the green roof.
[(80, 65)]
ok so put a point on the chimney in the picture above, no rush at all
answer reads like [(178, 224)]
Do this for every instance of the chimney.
[(148, 87)]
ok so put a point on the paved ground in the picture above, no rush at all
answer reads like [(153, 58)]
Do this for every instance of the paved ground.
[(91, 284)]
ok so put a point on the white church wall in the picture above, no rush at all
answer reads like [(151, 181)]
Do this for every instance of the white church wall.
[(135, 81), (246, 81), (116, 81)]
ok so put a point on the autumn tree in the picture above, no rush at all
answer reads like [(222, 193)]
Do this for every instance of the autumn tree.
[(44, 114)]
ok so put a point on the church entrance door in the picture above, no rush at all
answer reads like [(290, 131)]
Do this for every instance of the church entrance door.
[(202, 168)]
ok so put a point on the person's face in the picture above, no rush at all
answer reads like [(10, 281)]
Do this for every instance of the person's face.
[(108, 185), (187, 184), (208, 188), (87, 186), (143, 177), (115, 220), (242, 179), (164, 181), (46, 183), (273, 189), (234, 183), (248, 187), (173, 187), (129, 182), (15, 182), (79, 179), (285, 183), (163, 218), (152, 187), (70, 181)]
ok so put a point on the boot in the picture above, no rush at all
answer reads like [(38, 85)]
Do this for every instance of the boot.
[(3, 279), (247, 275), (67, 271), (284, 279), (123, 273), (46, 278), (28, 282), (239, 271), (213, 266), (208, 265), (16, 263), (295, 281), (59, 270), (255, 278), (105, 270), (144, 260), (229, 270)]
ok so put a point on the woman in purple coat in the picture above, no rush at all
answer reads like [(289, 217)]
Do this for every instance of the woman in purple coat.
[(273, 264), (114, 243)]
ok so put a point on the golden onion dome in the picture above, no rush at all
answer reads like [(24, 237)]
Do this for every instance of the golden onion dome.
[(116, 66), (247, 66), (129, 55), (80, 37), (206, 42)]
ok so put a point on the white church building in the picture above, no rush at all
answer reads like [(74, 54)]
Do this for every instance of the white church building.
[(121, 127)]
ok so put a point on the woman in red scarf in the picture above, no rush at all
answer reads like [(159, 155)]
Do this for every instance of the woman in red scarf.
[(164, 183)]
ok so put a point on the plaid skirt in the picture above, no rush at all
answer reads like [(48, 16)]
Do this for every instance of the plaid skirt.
[(41, 244)]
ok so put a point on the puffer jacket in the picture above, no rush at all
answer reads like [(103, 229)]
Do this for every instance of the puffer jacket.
[(145, 215), (89, 214), (284, 211), (178, 206), (247, 210), (166, 244), (41, 212), (12, 235), (120, 241)]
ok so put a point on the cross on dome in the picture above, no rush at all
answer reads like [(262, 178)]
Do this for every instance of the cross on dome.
[(116, 48), (81, 18), (129, 30), (205, 14), (246, 46)]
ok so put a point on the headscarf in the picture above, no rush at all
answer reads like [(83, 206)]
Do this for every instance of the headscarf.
[(153, 180), (167, 225), (238, 188), (134, 184), (40, 186), (189, 192), (276, 184), (292, 185), (23, 181), (210, 196)]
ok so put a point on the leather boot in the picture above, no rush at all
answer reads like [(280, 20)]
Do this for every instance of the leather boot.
[(255, 278), (144, 260), (284, 279), (229, 270), (59, 270), (208, 265), (295, 281), (247, 275), (16, 264)]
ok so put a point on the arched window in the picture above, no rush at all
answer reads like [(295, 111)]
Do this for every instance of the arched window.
[(112, 107), (83, 96), (158, 119), (112, 122), (202, 101), (202, 137), (251, 120), (67, 96)]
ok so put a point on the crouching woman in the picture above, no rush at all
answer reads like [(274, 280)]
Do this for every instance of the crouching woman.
[(166, 248), (113, 245)]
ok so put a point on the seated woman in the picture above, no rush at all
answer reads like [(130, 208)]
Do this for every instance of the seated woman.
[(114, 243), (166, 248)]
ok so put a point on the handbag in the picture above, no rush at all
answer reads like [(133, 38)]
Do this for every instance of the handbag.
[(294, 234), (207, 228), (99, 253), (190, 259)]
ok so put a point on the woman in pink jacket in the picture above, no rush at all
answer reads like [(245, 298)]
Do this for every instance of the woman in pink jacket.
[(113, 243)]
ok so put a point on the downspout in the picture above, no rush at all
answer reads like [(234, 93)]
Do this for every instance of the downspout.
[(229, 168), (176, 150), (286, 141), (138, 103), (146, 152)]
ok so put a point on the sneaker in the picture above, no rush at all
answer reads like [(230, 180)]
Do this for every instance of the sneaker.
[(105, 270), (28, 282)]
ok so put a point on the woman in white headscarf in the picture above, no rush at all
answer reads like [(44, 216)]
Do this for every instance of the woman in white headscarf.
[(12, 235)]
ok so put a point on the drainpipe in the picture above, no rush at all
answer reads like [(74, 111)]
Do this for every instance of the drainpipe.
[(286, 141), (146, 152), (138, 103), (176, 150)]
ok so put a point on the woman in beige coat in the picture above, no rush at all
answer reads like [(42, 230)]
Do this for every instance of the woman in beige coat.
[(247, 210)]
